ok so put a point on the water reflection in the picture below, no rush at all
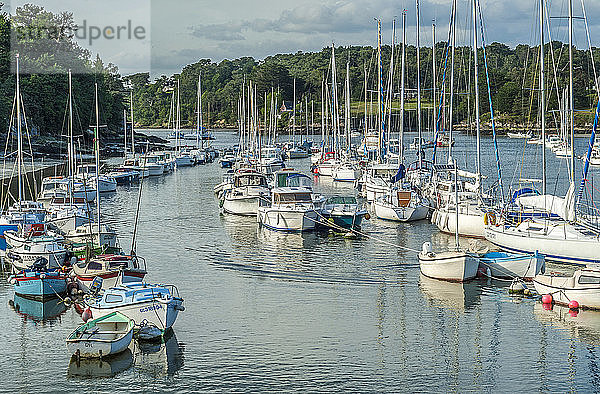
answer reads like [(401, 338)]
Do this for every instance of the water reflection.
[(583, 325), (95, 367), (458, 296), (162, 358), (37, 310)]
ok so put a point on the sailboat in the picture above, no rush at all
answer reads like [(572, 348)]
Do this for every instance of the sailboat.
[(453, 266), (571, 238)]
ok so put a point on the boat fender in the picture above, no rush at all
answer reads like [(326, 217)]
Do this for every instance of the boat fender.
[(573, 305), (489, 218), (517, 287), (86, 315), (427, 249), (547, 299)]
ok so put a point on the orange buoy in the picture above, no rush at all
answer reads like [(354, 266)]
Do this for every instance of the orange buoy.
[(547, 299)]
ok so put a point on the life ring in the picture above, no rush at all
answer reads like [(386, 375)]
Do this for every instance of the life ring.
[(489, 218)]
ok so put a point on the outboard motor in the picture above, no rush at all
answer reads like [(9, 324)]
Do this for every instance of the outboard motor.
[(40, 264)]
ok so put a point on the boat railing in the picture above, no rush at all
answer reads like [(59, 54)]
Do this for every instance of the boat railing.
[(138, 261)]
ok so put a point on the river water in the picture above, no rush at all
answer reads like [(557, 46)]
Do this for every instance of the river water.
[(272, 312)]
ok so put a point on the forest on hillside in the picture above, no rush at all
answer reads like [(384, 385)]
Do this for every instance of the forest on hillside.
[(513, 75)]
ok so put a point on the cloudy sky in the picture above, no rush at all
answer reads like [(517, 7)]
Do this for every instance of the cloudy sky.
[(179, 32)]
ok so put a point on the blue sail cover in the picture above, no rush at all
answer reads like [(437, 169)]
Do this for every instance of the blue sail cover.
[(400, 174)]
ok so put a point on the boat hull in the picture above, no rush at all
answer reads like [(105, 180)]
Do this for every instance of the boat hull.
[(160, 313), (563, 291), (400, 214), (40, 286), (507, 266), (244, 206), (449, 266), (470, 225), (283, 220), (577, 252)]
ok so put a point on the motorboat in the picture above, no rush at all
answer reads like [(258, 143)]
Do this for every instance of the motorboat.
[(134, 164), (346, 172), (88, 233), (107, 335), (290, 209), (32, 249), (453, 266), (39, 282), (271, 160), (63, 187), (67, 214), (113, 269), (124, 176), (154, 304), (243, 198), (342, 213), (151, 162), (86, 173), (582, 286)]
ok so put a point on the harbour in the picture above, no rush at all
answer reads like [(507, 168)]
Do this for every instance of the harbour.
[(289, 311), (415, 213)]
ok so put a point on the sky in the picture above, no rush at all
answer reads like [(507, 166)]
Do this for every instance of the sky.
[(180, 32)]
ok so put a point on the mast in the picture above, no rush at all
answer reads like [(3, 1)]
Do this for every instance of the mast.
[(379, 93), (452, 80), (71, 146), (403, 67), (571, 101), (294, 115), (125, 133), (419, 87), (178, 131), (542, 98), (198, 125), (476, 81), (347, 109), (434, 76), (366, 128), (97, 154), (132, 123), (19, 132)]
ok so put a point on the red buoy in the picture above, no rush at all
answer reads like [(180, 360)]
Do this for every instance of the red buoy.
[(547, 299), (86, 315), (573, 305)]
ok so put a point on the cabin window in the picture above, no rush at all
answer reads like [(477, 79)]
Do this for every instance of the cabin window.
[(93, 265), (111, 298), (293, 197), (589, 280)]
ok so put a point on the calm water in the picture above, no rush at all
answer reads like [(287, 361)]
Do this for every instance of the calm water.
[(273, 312)]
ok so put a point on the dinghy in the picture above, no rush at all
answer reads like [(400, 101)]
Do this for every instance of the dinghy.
[(512, 265), (106, 335), (453, 266)]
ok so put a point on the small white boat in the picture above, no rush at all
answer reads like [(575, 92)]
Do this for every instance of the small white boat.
[(583, 286), (512, 265), (401, 206), (290, 209), (453, 266), (159, 305), (243, 198), (106, 335), (518, 135), (346, 172)]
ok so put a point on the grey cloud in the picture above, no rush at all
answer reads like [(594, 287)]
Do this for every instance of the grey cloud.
[(219, 32)]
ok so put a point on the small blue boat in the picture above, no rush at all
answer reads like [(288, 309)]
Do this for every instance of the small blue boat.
[(342, 213), (39, 283), (512, 265)]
